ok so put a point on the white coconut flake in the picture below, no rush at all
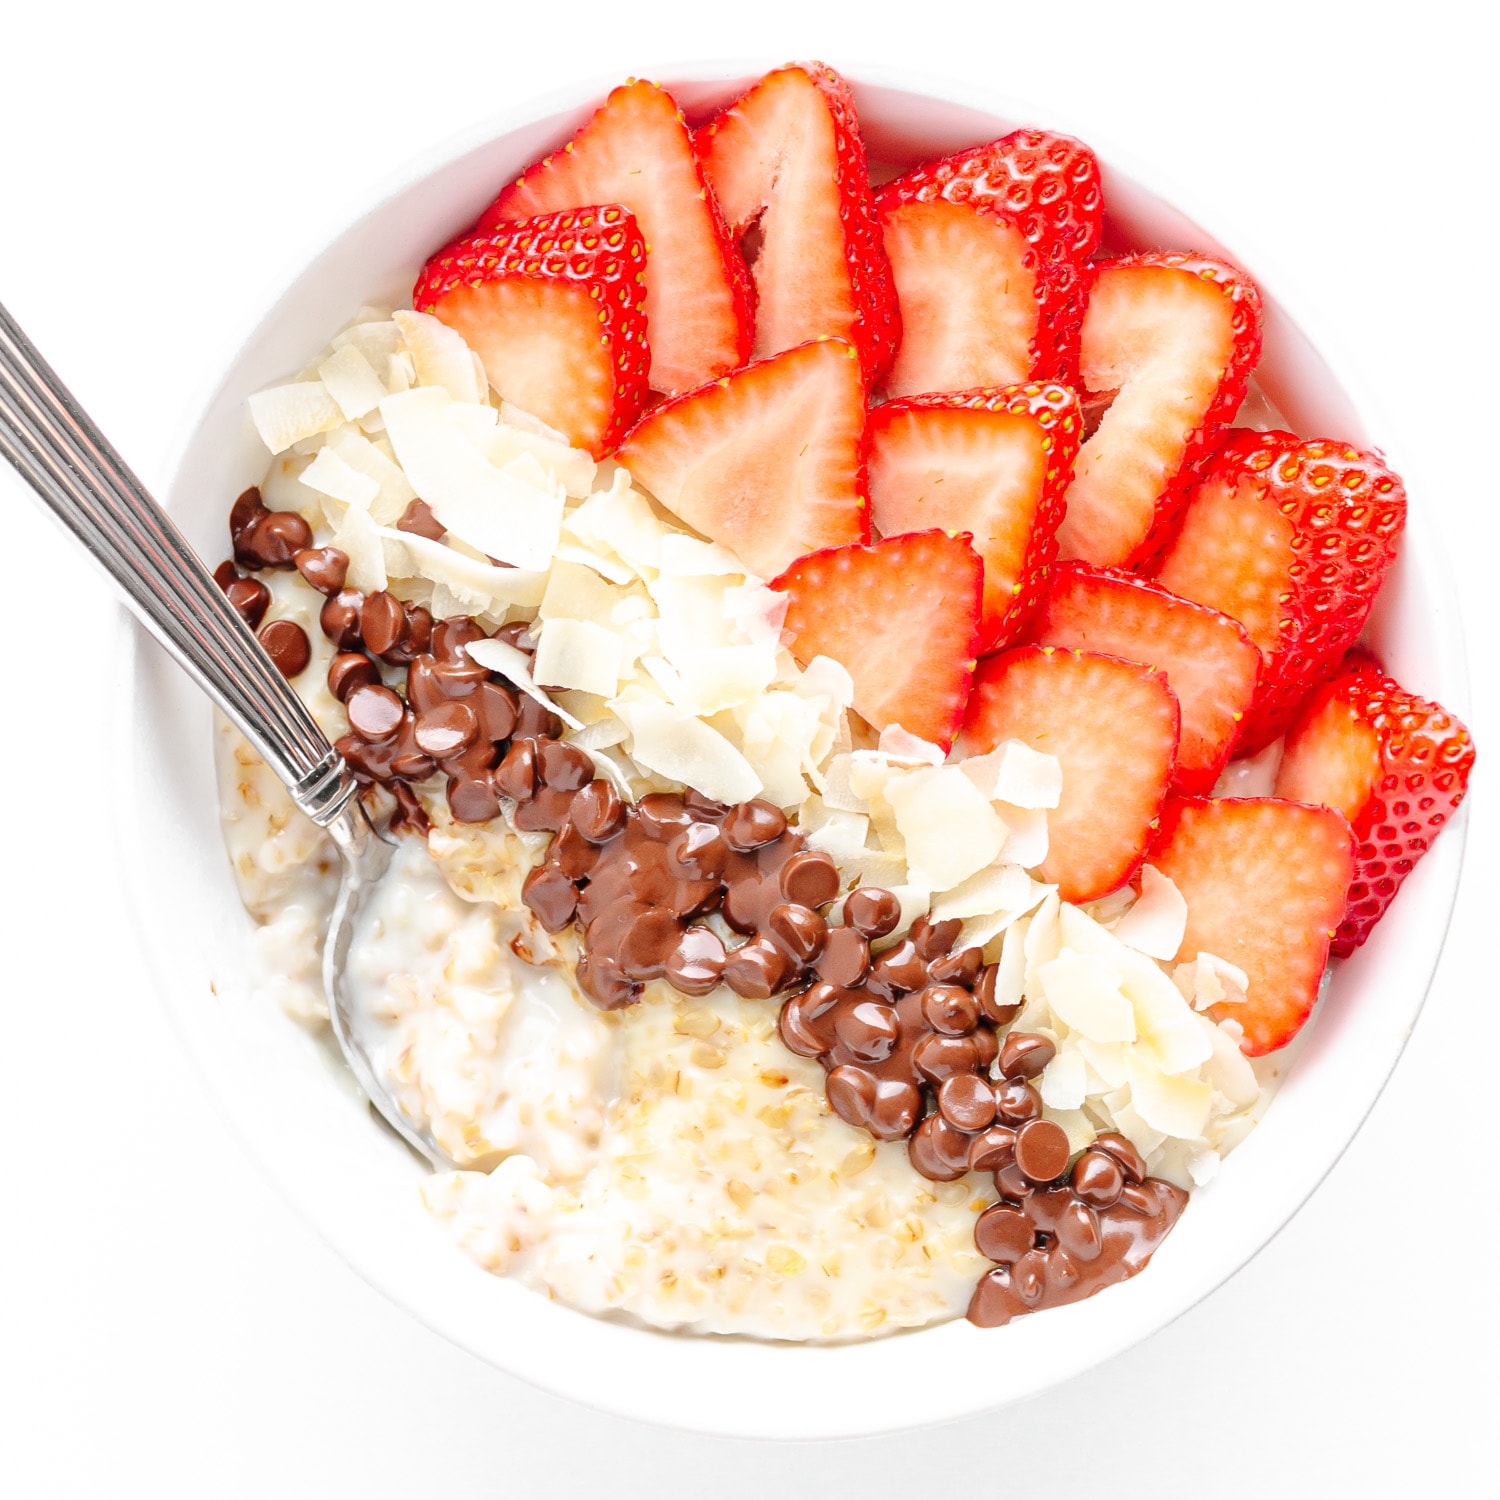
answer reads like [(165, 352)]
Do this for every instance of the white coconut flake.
[(1227, 1068), (394, 491), (376, 338), (950, 831), (683, 748), (1156, 922), (726, 677), (897, 744), (570, 467), (358, 537), (1174, 1105), (758, 615), (288, 414), (1164, 1020), (1085, 995), (1026, 840), (1063, 1081), (1010, 973), (331, 474), (352, 382), (524, 421), (512, 663), (1015, 773), (439, 355), (996, 888), (685, 556), (482, 587), (578, 654), (577, 592), (619, 522)]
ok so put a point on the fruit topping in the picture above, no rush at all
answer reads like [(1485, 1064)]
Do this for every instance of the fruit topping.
[(1208, 660), (555, 309), (786, 162), (1112, 726), (1170, 340), (1395, 765), (1292, 538), (902, 617), (993, 463), (1265, 883), (636, 151), (988, 248), (769, 460)]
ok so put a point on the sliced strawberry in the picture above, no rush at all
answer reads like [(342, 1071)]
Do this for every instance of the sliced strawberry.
[(768, 460), (787, 159), (988, 249), (1176, 337), (555, 309), (636, 151), (1112, 726), (1293, 538), (1209, 661), (902, 616), (1265, 883), (994, 463), (1395, 765)]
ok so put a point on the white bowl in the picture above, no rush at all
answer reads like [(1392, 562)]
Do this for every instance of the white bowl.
[(307, 1126)]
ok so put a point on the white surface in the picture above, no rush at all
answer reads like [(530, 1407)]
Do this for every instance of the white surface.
[(173, 1325)]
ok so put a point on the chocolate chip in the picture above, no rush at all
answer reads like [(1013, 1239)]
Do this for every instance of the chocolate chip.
[(898, 970), (382, 622), (496, 707), (697, 852), (1098, 1179), (984, 993), (604, 983), (446, 729), (933, 939), (992, 1149), (810, 878), (286, 643), (250, 598), (349, 670), (1079, 1233), (274, 539), (800, 1033), (597, 812), (340, 618), (565, 767), (516, 777), (1016, 1101), (949, 1009), (966, 1101), (1132, 1163), (697, 963), (866, 1031), (662, 816), (961, 967), (418, 519), (1042, 1150), (749, 825), (798, 930), (1004, 1233), (325, 568), (755, 970), (937, 1058), (1024, 1054), (551, 895), (872, 912), (937, 1150), (845, 958), (887, 1108), (571, 853), (473, 799), (375, 712)]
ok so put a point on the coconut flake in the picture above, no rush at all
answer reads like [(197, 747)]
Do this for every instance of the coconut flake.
[(570, 467), (1026, 840), (1164, 1020), (685, 556), (1010, 972), (1173, 1105), (950, 831), (515, 416), (620, 523), (358, 537), (897, 744), (1013, 772), (377, 338), (288, 414), (758, 614), (683, 748), (996, 888), (1227, 1068), (1063, 1080), (394, 491), (331, 474), (514, 665), (352, 382), (439, 356), (578, 654), (713, 681), (479, 586), (577, 592), (1156, 923), (1085, 995)]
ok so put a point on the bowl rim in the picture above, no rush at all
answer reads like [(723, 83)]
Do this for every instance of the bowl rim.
[(1300, 310)]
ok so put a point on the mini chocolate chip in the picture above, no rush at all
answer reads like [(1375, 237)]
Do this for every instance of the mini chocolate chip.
[(551, 895), (375, 712), (938, 1058), (755, 970), (325, 568), (697, 852), (473, 799), (446, 729), (597, 812), (1079, 1232), (565, 767), (516, 776), (992, 1149), (418, 519), (1024, 1054), (866, 1030), (871, 911), (349, 670), (799, 931), (749, 825), (244, 513), (571, 852), (949, 1009), (938, 1151), (536, 720), (287, 645), (1016, 1101), (648, 942), (602, 980), (898, 970), (450, 636), (250, 598), (702, 807), (961, 967), (984, 993), (1004, 1234), (989, 1048), (810, 878), (1042, 1150), (1098, 1179), (800, 1034), (967, 1101), (697, 962), (496, 707), (933, 939), (662, 815), (1132, 1163), (845, 958), (382, 621), (1011, 1182), (340, 618), (275, 539)]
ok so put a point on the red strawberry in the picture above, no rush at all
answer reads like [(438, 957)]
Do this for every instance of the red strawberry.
[(787, 158), (1293, 539), (988, 249), (902, 616), (768, 460), (1208, 659), (1265, 883), (636, 150), (1395, 765), (554, 307), (993, 463), (1176, 337), (1113, 727)]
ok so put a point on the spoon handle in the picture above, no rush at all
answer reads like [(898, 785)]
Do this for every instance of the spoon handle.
[(57, 449)]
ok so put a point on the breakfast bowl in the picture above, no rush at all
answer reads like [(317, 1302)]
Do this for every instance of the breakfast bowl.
[(299, 1113)]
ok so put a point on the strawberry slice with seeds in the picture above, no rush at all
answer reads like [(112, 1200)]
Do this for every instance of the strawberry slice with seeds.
[(768, 460), (636, 151), (786, 159), (1113, 727), (902, 616), (1208, 660), (1265, 883), (1293, 538), (993, 463), (1395, 765), (988, 248), (555, 309), (1175, 337)]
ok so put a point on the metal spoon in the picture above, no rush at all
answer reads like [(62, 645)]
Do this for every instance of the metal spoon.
[(62, 455)]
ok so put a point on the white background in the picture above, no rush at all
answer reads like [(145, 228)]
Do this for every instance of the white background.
[(166, 1325)]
